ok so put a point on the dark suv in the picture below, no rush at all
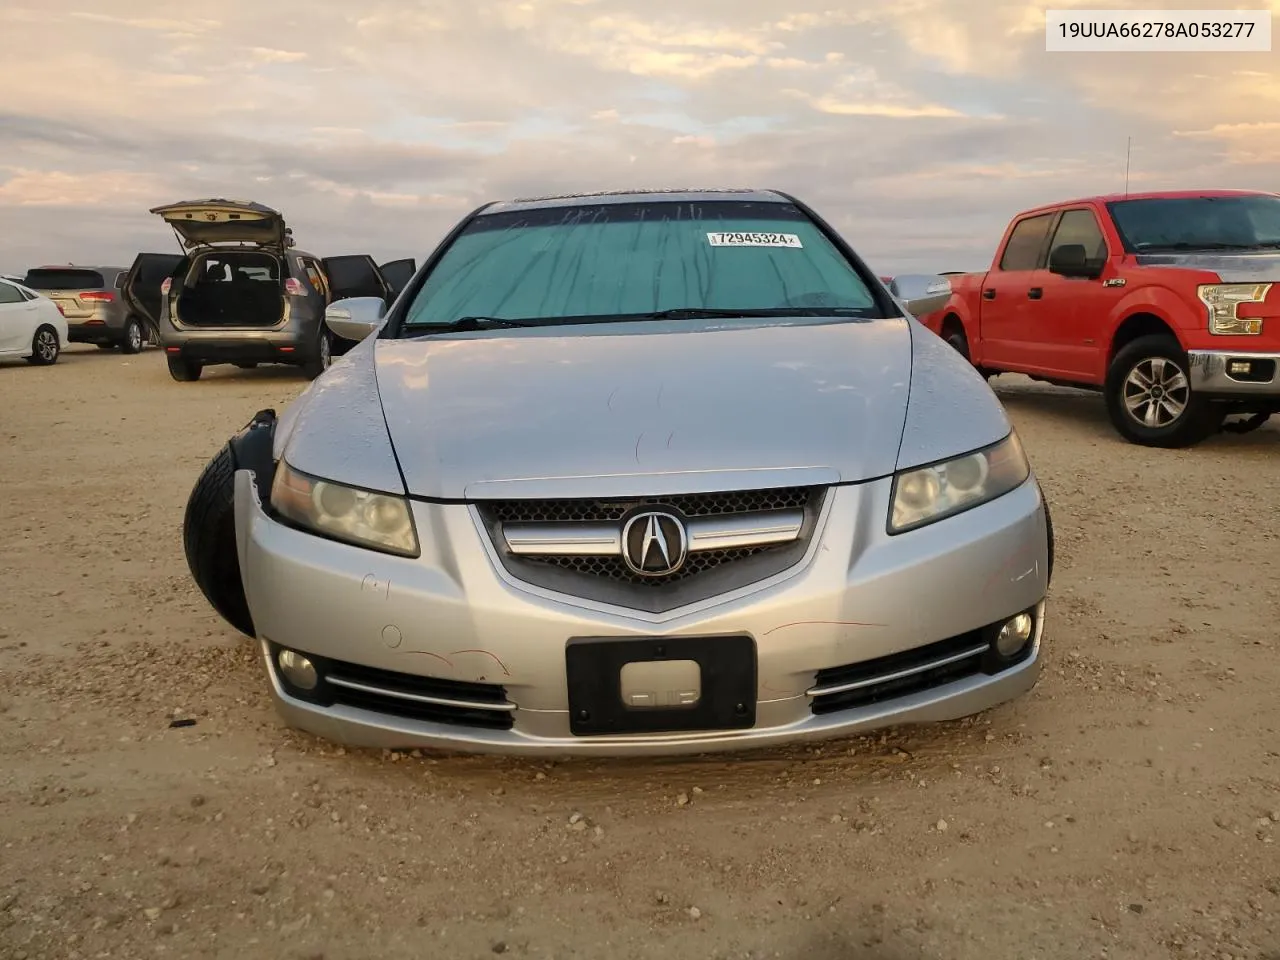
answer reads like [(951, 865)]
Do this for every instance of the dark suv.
[(90, 298), (242, 294)]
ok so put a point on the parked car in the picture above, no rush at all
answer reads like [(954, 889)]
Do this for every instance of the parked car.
[(632, 473), (90, 299), (1168, 303), (241, 293), (31, 325)]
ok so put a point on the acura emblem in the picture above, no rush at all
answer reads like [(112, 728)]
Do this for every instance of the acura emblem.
[(654, 543)]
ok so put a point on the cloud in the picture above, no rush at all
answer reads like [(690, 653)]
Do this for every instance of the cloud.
[(916, 126), (268, 55), (57, 188)]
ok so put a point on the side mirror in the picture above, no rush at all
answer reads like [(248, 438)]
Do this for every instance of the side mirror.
[(355, 317), (1070, 260), (921, 293)]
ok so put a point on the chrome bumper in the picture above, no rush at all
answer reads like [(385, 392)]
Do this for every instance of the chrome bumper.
[(1212, 372), (456, 614)]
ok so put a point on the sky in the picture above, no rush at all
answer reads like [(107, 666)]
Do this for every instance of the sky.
[(916, 127)]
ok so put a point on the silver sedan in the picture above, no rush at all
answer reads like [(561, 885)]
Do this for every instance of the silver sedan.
[(632, 473)]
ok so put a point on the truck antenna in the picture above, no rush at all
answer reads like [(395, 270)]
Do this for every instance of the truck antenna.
[(1128, 152)]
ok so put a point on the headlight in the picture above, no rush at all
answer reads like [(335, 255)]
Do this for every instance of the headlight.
[(374, 520), (1224, 300), (926, 494)]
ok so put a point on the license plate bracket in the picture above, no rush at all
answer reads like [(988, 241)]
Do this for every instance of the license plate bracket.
[(594, 666)]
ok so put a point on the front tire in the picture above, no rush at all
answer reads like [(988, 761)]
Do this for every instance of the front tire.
[(184, 371), (45, 346), (959, 342), (320, 356), (1149, 396), (209, 541), (134, 339)]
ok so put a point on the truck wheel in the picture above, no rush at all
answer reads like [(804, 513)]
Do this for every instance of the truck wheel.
[(959, 342), (209, 526), (184, 371), (1149, 396), (133, 340), (319, 355)]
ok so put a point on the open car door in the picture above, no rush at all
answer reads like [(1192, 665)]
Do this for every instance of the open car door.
[(398, 273), (140, 286), (356, 276)]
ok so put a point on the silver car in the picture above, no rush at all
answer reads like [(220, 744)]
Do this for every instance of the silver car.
[(91, 300), (632, 473)]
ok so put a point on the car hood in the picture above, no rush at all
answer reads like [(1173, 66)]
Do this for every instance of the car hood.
[(625, 410), (1230, 267)]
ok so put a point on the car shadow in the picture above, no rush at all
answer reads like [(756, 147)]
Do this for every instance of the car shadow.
[(267, 372), (1082, 406), (1087, 409), (845, 945)]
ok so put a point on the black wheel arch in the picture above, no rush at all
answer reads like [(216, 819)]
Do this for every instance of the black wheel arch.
[(1048, 525), (209, 523), (1133, 327), (252, 449)]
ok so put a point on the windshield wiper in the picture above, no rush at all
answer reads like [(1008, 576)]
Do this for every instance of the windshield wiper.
[(714, 313), (676, 313), (466, 324)]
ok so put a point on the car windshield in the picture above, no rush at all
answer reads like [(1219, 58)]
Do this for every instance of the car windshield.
[(1198, 223), (615, 261)]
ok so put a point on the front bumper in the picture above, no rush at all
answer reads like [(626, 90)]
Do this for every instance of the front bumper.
[(456, 615), (1219, 373)]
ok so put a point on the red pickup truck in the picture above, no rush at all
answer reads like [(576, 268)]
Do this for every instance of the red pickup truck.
[(1169, 303)]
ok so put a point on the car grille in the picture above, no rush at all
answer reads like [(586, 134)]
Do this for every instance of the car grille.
[(416, 697), (691, 505), (574, 546), (899, 674), (613, 568)]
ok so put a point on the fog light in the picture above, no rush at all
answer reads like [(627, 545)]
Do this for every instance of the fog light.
[(1241, 367), (1013, 636), (297, 669)]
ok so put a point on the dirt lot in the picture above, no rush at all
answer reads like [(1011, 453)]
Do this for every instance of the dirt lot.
[(1128, 807)]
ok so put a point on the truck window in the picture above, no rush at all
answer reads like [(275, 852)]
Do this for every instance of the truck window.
[(1022, 252), (1080, 226)]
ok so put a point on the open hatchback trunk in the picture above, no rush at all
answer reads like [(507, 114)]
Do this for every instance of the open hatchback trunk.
[(200, 223), (232, 288)]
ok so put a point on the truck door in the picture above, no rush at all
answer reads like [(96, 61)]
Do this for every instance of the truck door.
[(1008, 333), (1075, 303)]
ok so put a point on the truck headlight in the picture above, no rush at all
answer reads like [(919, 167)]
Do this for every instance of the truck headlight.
[(378, 521), (924, 495), (1223, 301)]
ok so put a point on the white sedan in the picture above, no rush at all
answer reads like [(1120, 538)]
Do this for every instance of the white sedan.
[(31, 325)]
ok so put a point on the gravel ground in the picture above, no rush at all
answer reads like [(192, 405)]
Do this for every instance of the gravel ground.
[(1128, 807)]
